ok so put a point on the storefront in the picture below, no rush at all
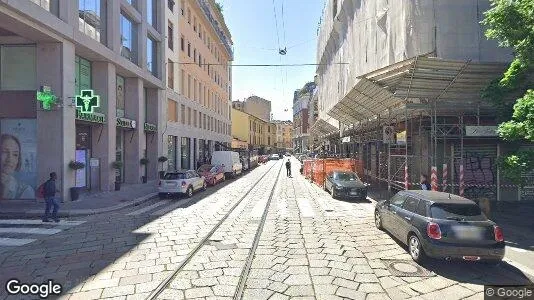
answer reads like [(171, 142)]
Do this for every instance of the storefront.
[(171, 153), (124, 129), (185, 153)]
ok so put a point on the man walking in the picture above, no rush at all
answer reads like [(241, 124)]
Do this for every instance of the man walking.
[(50, 198), (288, 167)]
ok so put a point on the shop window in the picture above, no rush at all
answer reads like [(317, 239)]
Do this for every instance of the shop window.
[(170, 74), (120, 97), (152, 56), (152, 13), (182, 114), (170, 5), (18, 68), (82, 75), (170, 36), (186, 149)]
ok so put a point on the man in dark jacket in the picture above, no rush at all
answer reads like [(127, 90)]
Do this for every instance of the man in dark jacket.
[(288, 168), (50, 198), (424, 183)]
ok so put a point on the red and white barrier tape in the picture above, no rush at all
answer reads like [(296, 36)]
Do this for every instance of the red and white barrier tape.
[(444, 178), (434, 179)]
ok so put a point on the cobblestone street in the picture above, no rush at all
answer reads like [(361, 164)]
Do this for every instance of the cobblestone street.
[(218, 245)]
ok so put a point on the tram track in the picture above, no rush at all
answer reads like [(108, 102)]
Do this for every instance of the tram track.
[(206, 239)]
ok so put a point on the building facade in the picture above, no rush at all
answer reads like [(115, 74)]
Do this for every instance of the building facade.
[(301, 103), (80, 81), (408, 101), (284, 136), (256, 106), (257, 133), (199, 82)]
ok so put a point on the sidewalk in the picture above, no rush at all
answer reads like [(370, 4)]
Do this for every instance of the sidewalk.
[(87, 204)]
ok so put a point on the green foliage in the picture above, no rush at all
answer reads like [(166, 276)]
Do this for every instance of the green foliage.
[(116, 165), (511, 23), (513, 166)]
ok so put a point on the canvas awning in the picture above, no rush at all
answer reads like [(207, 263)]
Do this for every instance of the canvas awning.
[(322, 128), (417, 83)]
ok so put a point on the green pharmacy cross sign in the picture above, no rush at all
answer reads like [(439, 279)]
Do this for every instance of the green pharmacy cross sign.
[(87, 101), (46, 97)]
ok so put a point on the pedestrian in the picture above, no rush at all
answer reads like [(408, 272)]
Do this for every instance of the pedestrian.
[(424, 183), (288, 168), (50, 198)]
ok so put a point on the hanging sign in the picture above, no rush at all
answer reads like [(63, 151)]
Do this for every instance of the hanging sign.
[(401, 138), (150, 127), (87, 101), (93, 118), (46, 97), (126, 123)]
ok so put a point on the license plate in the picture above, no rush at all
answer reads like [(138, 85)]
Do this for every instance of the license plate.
[(170, 183), (468, 232), (354, 193)]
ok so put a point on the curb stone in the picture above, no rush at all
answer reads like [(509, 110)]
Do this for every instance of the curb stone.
[(77, 212)]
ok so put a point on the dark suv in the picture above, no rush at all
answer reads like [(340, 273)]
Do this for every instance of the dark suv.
[(440, 225)]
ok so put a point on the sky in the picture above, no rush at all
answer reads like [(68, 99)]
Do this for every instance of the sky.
[(253, 28)]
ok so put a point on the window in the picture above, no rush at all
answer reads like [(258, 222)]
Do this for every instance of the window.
[(170, 38), (151, 56), (189, 86), (195, 24), (151, 12), (194, 89), (421, 208), (182, 82), (195, 118), (459, 212), (92, 19), (182, 5), (195, 55), (120, 105), (182, 114), (83, 71), (189, 49), (128, 39), (189, 116), (397, 200), (171, 111), (199, 60), (189, 16), (199, 30), (170, 4), (334, 9), (410, 204), (182, 43), (170, 75)]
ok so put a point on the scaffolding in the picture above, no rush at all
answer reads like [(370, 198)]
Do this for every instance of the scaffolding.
[(425, 116)]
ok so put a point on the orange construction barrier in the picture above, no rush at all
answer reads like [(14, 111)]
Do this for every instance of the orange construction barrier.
[(317, 169)]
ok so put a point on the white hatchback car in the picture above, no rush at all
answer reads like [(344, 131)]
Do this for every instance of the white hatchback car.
[(182, 182)]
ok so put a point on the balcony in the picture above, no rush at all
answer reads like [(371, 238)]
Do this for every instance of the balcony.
[(204, 5)]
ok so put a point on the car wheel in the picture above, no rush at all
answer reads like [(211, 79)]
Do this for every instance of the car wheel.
[(415, 249), (223, 178), (190, 192), (378, 220), (324, 186), (204, 186), (333, 193)]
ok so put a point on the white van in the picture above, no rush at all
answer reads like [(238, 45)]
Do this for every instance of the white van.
[(228, 159)]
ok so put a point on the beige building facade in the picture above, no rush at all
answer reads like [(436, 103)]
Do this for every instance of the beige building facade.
[(284, 135), (109, 49), (199, 82)]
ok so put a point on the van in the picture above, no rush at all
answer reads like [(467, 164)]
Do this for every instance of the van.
[(229, 160)]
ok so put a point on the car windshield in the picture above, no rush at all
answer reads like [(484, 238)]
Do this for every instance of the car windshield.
[(205, 168), (174, 176), (346, 177), (458, 212)]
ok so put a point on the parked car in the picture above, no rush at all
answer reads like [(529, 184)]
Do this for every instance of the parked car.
[(212, 174), (345, 184), (274, 157), (440, 225), (253, 161), (229, 160), (263, 159), (182, 182), (245, 163)]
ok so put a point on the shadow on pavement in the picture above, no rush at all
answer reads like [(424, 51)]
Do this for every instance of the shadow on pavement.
[(75, 255)]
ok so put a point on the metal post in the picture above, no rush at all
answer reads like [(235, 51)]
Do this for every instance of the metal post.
[(498, 174), (452, 169), (461, 153), (406, 148)]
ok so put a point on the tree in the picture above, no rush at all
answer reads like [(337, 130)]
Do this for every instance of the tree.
[(511, 23)]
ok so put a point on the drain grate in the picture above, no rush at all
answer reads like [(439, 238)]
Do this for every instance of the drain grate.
[(406, 268)]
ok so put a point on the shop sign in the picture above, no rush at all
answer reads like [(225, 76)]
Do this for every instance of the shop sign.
[(150, 127), (401, 138), (46, 97), (481, 131), (346, 139), (126, 123), (87, 101), (92, 117)]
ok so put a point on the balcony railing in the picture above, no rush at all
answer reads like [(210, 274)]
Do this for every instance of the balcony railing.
[(204, 5)]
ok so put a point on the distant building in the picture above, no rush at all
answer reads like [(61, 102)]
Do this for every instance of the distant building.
[(284, 135), (256, 132), (255, 106), (301, 103)]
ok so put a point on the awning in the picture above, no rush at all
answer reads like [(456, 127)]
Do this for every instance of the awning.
[(420, 81), (322, 128)]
